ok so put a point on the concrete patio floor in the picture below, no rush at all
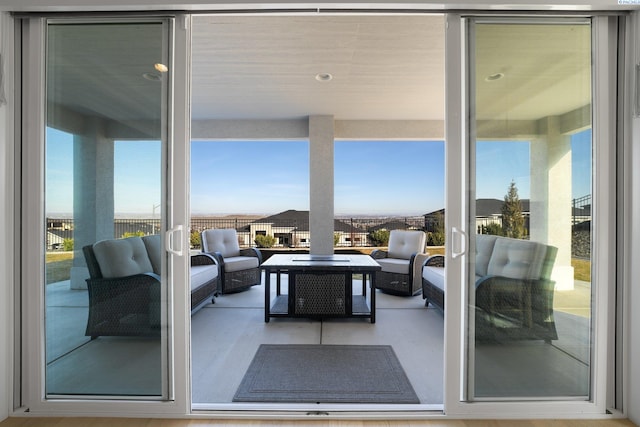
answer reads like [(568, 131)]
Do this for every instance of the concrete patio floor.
[(225, 336)]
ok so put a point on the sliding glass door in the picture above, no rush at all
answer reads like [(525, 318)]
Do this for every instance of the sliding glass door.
[(530, 292), (97, 223)]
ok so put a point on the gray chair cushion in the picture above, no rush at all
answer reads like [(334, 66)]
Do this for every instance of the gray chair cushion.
[(394, 265), (404, 243), (434, 275), (517, 259), (122, 257), (484, 249), (201, 274), (239, 263), (224, 241), (154, 251)]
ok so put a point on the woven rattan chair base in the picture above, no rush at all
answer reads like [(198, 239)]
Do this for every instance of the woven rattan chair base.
[(432, 294), (396, 284), (237, 281), (203, 293)]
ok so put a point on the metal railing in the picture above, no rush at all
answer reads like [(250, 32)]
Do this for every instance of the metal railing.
[(581, 209), (349, 231)]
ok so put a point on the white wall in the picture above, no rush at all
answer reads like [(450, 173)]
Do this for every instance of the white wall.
[(6, 318), (633, 297)]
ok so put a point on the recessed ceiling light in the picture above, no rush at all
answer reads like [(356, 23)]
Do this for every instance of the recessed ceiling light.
[(152, 77), (323, 77), (494, 77), (161, 67)]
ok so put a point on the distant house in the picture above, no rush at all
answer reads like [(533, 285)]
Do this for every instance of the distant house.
[(58, 230), (56, 238), (488, 211), (581, 216), (291, 229)]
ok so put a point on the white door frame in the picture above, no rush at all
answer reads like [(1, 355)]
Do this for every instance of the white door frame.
[(176, 377), (457, 163)]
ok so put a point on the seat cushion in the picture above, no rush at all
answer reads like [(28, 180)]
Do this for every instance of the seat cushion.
[(122, 257), (404, 243), (238, 263), (154, 251), (484, 249), (201, 274), (224, 241), (517, 259), (394, 265), (434, 275)]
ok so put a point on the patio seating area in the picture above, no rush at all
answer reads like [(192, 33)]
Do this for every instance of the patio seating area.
[(226, 335)]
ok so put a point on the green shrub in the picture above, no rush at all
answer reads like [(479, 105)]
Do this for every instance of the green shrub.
[(336, 239), (265, 241), (194, 240), (67, 245), (492, 228), (133, 234), (379, 237), (435, 238)]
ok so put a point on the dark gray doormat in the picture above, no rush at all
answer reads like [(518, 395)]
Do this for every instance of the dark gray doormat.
[(325, 374)]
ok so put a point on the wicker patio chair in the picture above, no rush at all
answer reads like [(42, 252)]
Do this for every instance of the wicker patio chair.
[(239, 268), (122, 305), (124, 286), (401, 272)]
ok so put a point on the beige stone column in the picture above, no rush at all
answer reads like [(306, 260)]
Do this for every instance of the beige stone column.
[(551, 196), (321, 149)]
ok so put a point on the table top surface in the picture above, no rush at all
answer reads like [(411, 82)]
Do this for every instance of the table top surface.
[(334, 262)]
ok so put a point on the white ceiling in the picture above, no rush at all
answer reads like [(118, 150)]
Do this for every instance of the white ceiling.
[(263, 67), (383, 67)]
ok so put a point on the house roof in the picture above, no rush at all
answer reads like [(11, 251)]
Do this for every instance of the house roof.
[(489, 207), (301, 220)]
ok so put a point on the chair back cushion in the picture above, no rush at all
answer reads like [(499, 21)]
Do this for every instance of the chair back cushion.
[(154, 251), (484, 249), (404, 243), (517, 259), (224, 241), (122, 257)]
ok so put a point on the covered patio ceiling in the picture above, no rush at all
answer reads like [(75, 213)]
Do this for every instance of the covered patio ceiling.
[(382, 67)]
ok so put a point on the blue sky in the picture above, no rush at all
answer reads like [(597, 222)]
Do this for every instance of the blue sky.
[(266, 177)]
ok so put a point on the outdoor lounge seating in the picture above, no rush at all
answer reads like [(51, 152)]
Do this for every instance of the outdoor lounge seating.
[(124, 285), (239, 268), (401, 263), (514, 293)]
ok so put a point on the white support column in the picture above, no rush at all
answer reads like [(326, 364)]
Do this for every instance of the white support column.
[(321, 143), (551, 195), (93, 204)]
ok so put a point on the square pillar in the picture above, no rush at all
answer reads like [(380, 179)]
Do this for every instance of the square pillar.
[(551, 197), (321, 149), (93, 197)]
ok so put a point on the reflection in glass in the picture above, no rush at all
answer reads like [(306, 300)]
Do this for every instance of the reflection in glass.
[(104, 287), (530, 282)]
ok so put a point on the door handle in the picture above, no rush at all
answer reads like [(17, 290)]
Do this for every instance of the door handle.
[(169, 240), (462, 241)]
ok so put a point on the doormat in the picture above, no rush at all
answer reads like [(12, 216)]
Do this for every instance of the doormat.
[(325, 374)]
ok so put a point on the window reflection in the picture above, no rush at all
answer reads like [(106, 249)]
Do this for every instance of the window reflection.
[(530, 283)]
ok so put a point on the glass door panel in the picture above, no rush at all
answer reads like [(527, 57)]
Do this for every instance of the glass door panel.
[(106, 286), (530, 299)]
